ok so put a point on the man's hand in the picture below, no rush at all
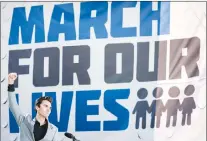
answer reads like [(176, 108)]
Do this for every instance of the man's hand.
[(11, 78)]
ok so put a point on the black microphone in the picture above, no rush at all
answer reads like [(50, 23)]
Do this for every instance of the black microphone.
[(71, 136)]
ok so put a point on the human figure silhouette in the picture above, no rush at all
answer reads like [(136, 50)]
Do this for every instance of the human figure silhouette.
[(172, 105), (188, 105), (141, 108), (157, 107)]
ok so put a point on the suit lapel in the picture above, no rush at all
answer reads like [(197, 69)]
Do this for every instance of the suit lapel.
[(49, 133)]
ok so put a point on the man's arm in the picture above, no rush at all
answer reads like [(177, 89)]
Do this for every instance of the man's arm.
[(14, 107), (58, 137)]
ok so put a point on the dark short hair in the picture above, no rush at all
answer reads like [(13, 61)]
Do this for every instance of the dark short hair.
[(39, 100)]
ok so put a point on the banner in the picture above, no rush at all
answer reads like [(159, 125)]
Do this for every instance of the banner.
[(115, 70)]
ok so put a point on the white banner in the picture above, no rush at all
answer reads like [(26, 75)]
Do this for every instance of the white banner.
[(115, 70)]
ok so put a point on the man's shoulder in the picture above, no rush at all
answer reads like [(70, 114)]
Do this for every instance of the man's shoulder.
[(52, 126), (28, 117)]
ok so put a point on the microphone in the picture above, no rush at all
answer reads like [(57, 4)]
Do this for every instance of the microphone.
[(71, 136)]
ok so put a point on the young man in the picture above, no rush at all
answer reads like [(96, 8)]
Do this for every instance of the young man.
[(38, 129)]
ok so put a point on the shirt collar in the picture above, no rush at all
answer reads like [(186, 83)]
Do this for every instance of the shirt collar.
[(37, 122)]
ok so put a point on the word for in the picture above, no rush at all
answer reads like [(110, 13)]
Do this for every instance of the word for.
[(111, 76)]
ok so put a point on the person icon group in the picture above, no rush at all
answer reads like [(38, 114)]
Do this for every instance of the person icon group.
[(157, 106)]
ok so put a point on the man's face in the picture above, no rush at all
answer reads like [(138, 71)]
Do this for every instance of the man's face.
[(44, 109)]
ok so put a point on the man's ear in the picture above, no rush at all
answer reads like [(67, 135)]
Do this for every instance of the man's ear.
[(36, 108)]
